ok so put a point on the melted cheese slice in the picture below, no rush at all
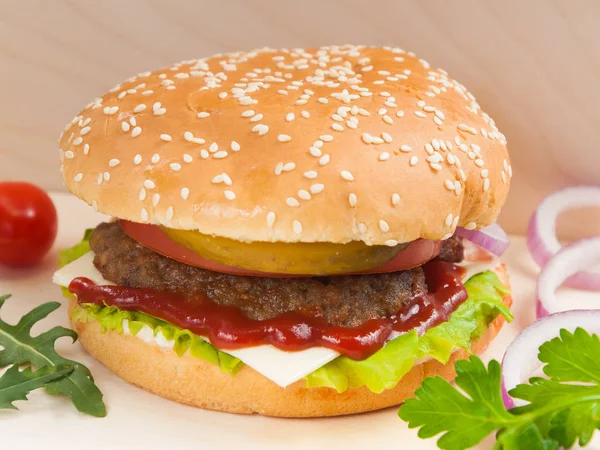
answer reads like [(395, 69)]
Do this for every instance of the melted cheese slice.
[(281, 367)]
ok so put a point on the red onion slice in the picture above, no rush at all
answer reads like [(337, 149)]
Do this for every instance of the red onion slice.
[(521, 361), (492, 238), (569, 260), (541, 235)]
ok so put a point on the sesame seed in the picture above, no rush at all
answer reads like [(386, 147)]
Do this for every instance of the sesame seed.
[(352, 199), (144, 215), (187, 158), (291, 201), (314, 151), (139, 108), (386, 137), (429, 148), (471, 226), (326, 137), (223, 95), (248, 113), (125, 127), (106, 176), (175, 167), (384, 156), (166, 137), (256, 118), (366, 137), (449, 219), (284, 138), (449, 185), (69, 154), (405, 148), (203, 114), (311, 174), (77, 178), (136, 132), (297, 227), (420, 114), (287, 167), (486, 184), (510, 172), (229, 195), (155, 199), (387, 119), (185, 193), (319, 143), (155, 158), (220, 154), (400, 113), (479, 162), (270, 219), (204, 154), (305, 114), (435, 166), (383, 226), (278, 168), (78, 140), (436, 144), (260, 129), (304, 195), (114, 162), (289, 117), (413, 160), (85, 131), (324, 160), (457, 188), (323, 100), (86, 149), (484, 173), (213, 147), (108, 110), (149, 184), (137, 159), (317, 188), (395, 199), (282, 92)]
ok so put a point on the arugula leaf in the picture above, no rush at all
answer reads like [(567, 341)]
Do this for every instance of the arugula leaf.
[(16, 384), (19, 347), (559, 413)]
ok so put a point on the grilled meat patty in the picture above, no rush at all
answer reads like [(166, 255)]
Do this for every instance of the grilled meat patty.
[(348, 300)]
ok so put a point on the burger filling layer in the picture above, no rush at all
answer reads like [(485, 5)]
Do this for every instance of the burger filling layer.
[(362, 330)]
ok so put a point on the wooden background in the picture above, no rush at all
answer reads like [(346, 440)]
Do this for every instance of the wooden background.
[(534, 66)]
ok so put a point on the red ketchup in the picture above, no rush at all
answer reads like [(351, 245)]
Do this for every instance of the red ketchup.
[(227, 328)]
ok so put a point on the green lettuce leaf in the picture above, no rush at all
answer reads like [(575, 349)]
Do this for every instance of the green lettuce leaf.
[(111, 318), (385, 369), (379, 372)]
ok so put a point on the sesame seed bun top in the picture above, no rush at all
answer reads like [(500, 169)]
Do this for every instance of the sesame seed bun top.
[(332, 144)]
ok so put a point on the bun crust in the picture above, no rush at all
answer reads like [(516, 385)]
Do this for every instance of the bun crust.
[(332, 144), (195, 382)]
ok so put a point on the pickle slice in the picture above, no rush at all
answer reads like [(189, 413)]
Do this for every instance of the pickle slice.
[(314, 258)]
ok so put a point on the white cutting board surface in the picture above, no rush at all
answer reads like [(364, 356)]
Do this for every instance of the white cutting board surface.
[(138, 419)]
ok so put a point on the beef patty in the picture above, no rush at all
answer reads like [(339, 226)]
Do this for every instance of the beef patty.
[(348, 300)]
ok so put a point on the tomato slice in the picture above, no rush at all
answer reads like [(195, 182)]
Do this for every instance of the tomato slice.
[(152, 237)]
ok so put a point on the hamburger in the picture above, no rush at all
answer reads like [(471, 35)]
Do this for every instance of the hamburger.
[(286, 232)]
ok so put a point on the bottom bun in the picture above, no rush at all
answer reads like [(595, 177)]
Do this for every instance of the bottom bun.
[(196, 382)]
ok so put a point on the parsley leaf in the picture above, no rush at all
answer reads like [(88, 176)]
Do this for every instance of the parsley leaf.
[(15, 384), (562, 410), (19, 347)]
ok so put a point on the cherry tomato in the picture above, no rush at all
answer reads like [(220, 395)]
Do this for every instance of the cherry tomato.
[(28, 224), (151, 236)]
